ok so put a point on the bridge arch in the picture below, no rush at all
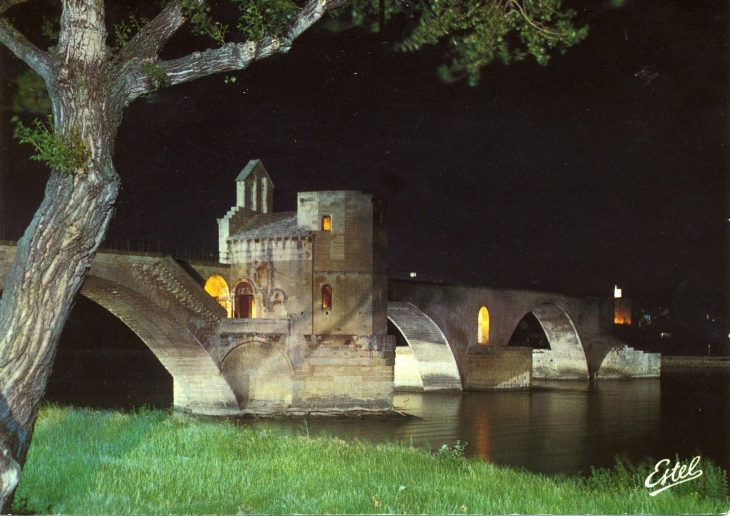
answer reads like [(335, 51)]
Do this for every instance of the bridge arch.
[(198, 384), (429, 348), (260, 374), (169, 311), (566, 357)]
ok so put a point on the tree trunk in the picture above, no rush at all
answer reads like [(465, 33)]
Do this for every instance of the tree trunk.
[(49, 269), (56, 251)]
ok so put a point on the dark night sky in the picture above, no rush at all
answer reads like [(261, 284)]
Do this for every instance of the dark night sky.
[(606, 167)]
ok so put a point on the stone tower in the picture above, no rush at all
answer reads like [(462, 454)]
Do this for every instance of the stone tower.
[(254, 196)]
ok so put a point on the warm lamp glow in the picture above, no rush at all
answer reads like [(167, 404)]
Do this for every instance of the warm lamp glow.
[(217, 287), (326, 223), (622, 311), (483, 328), (326, 296)]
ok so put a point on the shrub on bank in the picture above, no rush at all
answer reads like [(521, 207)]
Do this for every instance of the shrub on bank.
[(86, 461)]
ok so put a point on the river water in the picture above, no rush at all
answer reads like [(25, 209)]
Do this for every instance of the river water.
[(559, 427)]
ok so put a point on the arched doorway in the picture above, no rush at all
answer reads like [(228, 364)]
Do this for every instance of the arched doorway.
[(244, 307), (483, 326), (217, 287)]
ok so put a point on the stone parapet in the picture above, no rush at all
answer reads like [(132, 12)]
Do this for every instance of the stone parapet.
[(259, 326), (695, 361)]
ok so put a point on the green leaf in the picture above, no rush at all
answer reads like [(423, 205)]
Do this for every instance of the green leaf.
[(60, 152)]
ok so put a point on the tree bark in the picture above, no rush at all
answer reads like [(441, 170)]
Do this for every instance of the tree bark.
[(55, 253)]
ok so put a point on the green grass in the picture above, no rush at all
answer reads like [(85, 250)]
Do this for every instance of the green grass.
[(84, 461)]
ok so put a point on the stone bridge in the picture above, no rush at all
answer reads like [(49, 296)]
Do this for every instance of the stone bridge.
[(165, 305), (449, 345), (476, 325)]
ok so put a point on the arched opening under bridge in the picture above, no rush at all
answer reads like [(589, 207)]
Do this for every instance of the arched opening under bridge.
[(102, 363), (427, 353), (558, 353)]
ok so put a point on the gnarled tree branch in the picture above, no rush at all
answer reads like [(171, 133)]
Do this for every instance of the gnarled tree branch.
[(7, 4), (149, 41), (19, 45), (310, 14), (229, 57)]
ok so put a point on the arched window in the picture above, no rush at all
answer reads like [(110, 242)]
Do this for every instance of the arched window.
[(483, 328), (326, 297), (244, 301), (327, 223), (217, 287)]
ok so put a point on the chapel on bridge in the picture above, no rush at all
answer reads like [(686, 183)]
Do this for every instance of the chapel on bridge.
[(308, 294)]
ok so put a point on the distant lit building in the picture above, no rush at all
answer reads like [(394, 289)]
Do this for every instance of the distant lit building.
[(621, 308)]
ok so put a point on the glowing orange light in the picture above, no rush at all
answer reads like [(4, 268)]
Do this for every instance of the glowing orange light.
[(326, 296), (217, 287), (622, 311), (326, 223), (483, 328)]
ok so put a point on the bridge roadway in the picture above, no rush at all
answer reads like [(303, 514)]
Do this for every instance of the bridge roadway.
[(163, 301)]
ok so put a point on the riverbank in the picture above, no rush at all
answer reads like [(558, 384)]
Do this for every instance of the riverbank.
[(85, 461), (695, 362)]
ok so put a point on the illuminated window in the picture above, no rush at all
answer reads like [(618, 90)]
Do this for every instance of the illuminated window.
[(483, 328), (326, 296), (326, 223), (217, 287)]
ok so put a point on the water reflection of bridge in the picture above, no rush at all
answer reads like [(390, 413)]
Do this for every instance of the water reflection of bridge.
[(563, 427)]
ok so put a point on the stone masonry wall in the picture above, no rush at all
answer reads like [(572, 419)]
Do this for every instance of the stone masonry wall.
[(499, 368), (344, 372), (627, 362)]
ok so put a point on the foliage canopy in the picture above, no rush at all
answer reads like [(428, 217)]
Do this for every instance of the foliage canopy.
[(475, 32)]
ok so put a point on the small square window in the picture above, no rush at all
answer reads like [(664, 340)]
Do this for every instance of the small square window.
[(326, 223)]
